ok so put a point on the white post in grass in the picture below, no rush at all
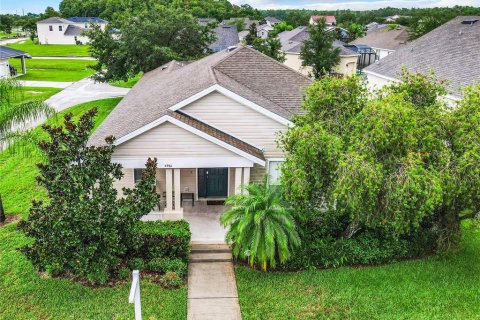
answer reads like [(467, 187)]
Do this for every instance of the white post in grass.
[(135, 294)]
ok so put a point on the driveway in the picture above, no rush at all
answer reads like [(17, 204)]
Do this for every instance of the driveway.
[(13, 40), (82, 91)]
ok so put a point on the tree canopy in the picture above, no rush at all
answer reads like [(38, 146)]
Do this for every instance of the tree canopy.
[(400, 162), (146, 41)]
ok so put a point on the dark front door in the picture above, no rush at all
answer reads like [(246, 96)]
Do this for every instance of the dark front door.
[(212, 182)]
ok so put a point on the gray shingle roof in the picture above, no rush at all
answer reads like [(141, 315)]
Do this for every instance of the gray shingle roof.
[(227, 36), (451, 50), (292, 41), (272, 20), (383, 38), (55, 20), (243, 71), (6, 52), (73, 31), (87, 19)]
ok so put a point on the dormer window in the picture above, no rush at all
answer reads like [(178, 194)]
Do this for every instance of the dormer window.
[(50, 28), (60, 28)]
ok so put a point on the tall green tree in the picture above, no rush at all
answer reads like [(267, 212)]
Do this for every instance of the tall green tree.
[(261, 228), (270, 47), (147, 41), (252, 34), (15, 112), (318, 52), (83, 229)]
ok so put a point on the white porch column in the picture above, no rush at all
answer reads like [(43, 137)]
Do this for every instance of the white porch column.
[(169, 193), (176, 183), (238, 180), (246, 176)]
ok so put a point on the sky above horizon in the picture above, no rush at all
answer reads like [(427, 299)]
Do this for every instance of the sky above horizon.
[(37, 6)]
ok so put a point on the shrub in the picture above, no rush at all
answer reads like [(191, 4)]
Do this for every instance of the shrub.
[(99, 276), (164, 265), (162, 239), (171, 280), (124, 273), (136, 264)]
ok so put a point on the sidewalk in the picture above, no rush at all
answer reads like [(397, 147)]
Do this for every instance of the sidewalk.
[(46, 84), (212, 288)]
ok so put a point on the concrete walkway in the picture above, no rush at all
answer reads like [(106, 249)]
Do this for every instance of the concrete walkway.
[(13, 40), (64, 58), (82, 91), (45, 84), (212, 289)]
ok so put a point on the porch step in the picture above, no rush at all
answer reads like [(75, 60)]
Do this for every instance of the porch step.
[(210, 257), (210, 248)]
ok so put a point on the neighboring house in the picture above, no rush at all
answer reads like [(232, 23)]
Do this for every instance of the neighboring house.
[(272, 21), (226, 36), (6, 70), (264, 30), (384, 40), (212, 125), (452, 51), (57, 30), (330, 20), (205, 21), (292, 42)]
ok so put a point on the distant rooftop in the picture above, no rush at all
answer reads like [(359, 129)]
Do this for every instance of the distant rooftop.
[(384, 38), (73, 20), (6, 52)]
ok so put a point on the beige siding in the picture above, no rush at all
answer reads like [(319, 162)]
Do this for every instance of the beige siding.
[(347, 65), (125, 182), (188, 180), (170, 141), (238, 120)]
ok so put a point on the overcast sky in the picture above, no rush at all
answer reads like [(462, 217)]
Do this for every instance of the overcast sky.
[(12, 6)]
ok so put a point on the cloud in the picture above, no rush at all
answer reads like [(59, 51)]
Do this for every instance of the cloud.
[(354, 4)]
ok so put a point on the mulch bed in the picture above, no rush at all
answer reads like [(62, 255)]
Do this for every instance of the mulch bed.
[(10, 218)]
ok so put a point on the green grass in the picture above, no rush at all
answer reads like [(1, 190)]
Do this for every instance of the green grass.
[(54, 70), (26, 295), (440, 287), (51, 50), (127, 84), (37, 93)]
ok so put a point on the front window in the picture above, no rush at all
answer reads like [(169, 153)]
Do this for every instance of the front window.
[(50, 28), (274, 171), (137, 174), (60, 28)]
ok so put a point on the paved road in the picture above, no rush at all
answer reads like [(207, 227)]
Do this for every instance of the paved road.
[(8, 41), (82, 91), (45, 84)]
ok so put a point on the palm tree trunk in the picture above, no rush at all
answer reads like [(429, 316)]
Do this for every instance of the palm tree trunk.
[(2, 212)]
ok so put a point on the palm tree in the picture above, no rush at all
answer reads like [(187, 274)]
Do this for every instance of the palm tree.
[(261, 228), (15, 113)]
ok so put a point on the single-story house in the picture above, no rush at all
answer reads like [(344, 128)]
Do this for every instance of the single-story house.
[(6, 70), (330, 20), (452, 51), (212, 125), (57, 30), (292, 42), (384, 40)]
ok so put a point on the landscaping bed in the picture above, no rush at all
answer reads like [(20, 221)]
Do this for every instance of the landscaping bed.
[(27, 294), (51, 50), (62, 70), (439, 287)]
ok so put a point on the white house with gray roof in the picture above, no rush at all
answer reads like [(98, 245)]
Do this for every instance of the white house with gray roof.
[(212, 125), (57, 30), (452, 51)]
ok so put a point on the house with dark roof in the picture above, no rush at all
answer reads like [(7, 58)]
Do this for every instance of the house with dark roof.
[(6, 70), (212, 125), (452, 51), (384, 39), (292, 42), (57, 30), (226, 37)]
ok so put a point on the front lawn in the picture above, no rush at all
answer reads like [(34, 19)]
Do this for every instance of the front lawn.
[(28, 295), (51, 50), (54, 70), (38, 93), (127, 84), (440, 287)]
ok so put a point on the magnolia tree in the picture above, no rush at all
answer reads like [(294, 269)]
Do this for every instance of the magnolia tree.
[(83, 229), (395, 162)]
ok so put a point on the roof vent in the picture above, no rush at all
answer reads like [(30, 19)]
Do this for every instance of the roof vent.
[(470, 21), (231, 48)]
